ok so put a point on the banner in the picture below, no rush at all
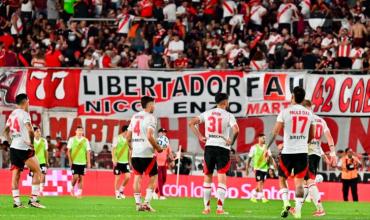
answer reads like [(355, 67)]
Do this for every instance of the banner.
[(269, 93), (177, 94), (343, 95), (353, 132), (101, 183), (12, 82)]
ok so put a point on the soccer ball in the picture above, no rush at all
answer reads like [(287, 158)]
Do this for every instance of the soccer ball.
[(319, 178), (163, 141)]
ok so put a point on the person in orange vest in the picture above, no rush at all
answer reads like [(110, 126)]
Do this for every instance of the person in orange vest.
[(349, 165)]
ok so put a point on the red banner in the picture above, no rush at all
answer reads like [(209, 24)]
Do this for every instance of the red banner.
[(101, 183), (53, 88)]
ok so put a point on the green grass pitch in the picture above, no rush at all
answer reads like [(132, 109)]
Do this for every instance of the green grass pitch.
[(108, 208)]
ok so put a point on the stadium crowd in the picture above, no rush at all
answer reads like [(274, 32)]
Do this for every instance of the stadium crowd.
[(221, 34)]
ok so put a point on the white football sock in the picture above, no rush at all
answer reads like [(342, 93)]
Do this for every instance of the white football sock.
[(148, 196), (254, 194), (35, 192), (298, 204), (221, 193), (15, 193), (137, 198), (315, 195), (285, 196), (207, 195)]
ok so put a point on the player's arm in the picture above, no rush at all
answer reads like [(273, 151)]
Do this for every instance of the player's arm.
[(114, 147), (152, 141), (69, 154), (129, 139), (247, 164), (311, 134), (6, 133), (30, 132), (275, 131), (193, 126), (88, 155), (170, 155), (235, 134), (46, 154)]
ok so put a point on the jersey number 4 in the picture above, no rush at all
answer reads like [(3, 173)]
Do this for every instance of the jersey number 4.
[(13, 123), (137, 128), (215, 124), (303, 120)]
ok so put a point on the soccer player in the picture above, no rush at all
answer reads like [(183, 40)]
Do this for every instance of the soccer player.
[(218, 122), (297, 122), (121, 157), (162, 160), (141, 135), (261, 160), (40, 145), (19, 132), (314, 156), (79, 156)]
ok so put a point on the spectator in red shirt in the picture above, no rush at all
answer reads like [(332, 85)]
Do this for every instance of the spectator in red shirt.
[(106, 60), (10, 58), (53, 57), (181, 62)]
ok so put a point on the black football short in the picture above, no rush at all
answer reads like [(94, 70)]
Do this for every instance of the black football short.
[(19, 157), (121, 168), (216, 158), (78, 169), (313, 166), (261, 175), (147, 166), (43, 169), (293, 164)]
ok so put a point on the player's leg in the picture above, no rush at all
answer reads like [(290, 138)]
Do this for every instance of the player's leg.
[(208, 167), (262, 194), (16, 175), (43, 174), (79, 186), (33, 164), (117, 175), (138, 168), (73, 184), (164, 179), (160, 183), (255, 191), (299, 192), (152, 170), (223, 165), (126, 178), (284, 172), (137, 190)]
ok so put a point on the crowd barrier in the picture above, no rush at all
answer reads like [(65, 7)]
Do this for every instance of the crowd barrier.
[(100, 183)]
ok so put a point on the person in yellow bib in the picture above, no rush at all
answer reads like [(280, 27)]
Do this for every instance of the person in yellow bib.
[(79, 156), (40, 145), (261, 160), (121, 157)]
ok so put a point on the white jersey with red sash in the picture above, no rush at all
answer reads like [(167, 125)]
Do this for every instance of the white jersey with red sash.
[(124, 23), (257, 12), (229, 8), (285, 13)]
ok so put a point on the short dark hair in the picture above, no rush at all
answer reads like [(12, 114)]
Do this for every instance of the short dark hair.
[(221, 97), (307, 103), (35, 128), (124, 128), (261, 135), (78, 127), (20, 98), (347, 149), (299, 94), (145, 100)]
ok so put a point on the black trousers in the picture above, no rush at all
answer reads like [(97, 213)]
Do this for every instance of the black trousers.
[(350, 183)]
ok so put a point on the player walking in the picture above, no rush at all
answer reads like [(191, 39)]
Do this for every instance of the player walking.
[(121, 158), (217, 151), (40, 145), (19, 132), (141, 133), (299, 130), (261, 160), (79, 156), (314, 155)]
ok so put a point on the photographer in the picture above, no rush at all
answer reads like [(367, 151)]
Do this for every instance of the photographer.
[(349, 165)]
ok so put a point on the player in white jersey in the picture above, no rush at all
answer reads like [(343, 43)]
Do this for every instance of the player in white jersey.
[(314, 155), (19, 132), (218, 122), (143, 143), (299, 129)]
